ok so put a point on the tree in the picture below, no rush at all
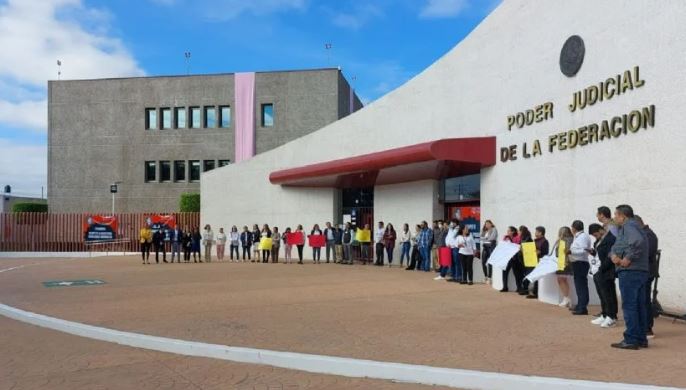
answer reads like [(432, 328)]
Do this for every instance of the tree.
[(190, 203)]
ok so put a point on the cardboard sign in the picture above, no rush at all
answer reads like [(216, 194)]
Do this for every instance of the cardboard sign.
[(561, 255), (265, 244), (530, 256), (502, 254), (99, 228), (547, 266), (363, 235), (317, 240), (297, 238)]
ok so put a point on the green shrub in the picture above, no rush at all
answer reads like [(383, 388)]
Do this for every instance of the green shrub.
[(28, 207), (190, 203)]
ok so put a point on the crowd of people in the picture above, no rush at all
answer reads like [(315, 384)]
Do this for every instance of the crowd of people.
[(622, 247)]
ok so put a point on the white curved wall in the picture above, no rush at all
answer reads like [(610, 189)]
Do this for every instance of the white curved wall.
[(509, 63)]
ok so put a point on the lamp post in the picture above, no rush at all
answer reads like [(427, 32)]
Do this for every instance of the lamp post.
[(114, 187), (187, 56)]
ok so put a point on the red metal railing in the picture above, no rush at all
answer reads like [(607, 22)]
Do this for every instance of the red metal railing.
[(47, 232)]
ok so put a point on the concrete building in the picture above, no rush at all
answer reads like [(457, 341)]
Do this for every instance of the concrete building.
[(503, 104), (155, 135)]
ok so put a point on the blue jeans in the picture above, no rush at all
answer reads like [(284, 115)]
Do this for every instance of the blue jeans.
[(455, 267), (425, 252), (580, 270), (405, 252), (632, 285)]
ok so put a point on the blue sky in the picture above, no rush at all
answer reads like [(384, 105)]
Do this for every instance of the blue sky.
[(379, 44)]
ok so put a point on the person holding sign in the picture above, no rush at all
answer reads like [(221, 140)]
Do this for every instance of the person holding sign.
[(317, 241), (513, 237), (145, 237), (364, 237), (564, 241), (579, 251), (466, 248), (541, 248), (265, 244), (298, 239)]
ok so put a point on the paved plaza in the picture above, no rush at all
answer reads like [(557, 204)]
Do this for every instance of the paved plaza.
[(362, 312)]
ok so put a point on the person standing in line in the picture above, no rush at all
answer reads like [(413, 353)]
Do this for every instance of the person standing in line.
[(338, 238), (564, 235), (330, 236), (234, 242), (512, 236), (365, 246), (256, 243), (158, 243), (301, 247), (196, 238), (424, 243), (287, 248), (405, 244), (246, 242), (186, 243), (604, 216), (578, 256), (444, 229), (175, 238), (542, 248), (518, 265), (450, 241), (489, 239), (604, 278), (466, 247), (145, 238), (652, 262), (389, 238), (415, 257), (221, 244), (265, 233), (316, 250), (207, 242), (629, 254), (379, 245), (347, 240), (276, 244), (436, 232)]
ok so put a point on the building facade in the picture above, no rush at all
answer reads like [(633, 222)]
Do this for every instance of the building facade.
[(547, 110), (154, 136)]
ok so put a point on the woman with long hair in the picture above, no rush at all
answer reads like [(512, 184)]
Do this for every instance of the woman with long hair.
[(265, 233), (512, 236), (564, 234), (389, 237), (316, 251), (301, 246), (489, 240), (466, 247)]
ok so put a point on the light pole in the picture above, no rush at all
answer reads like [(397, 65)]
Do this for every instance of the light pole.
[(187, 55), (114, 187), (328, 47), (59, 69)]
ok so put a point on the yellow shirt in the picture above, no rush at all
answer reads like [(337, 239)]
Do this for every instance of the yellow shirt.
[(145, 235)]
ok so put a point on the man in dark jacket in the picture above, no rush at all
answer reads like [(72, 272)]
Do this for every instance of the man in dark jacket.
[(629, 254), (246, 242), (158, 243), (604, 279), (652, 261)]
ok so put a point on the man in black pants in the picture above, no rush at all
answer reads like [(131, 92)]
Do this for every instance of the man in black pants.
[(652, 262), (604, 279), (158, 242), (378, 240)]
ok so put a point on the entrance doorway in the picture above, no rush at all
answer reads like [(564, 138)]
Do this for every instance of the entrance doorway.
[(357, 206)]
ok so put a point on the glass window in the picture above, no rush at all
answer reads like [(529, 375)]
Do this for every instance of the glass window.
[(179, 170), (223, 163), (194, 170), (267, 115), (150, 171), (165, 171), (210, 117), (150, 118), (166, 118), (180, 114), (463, 188), (224, 116), (195, 117), (208, 165)]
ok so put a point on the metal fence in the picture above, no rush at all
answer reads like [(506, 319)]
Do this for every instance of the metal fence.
[(47, 232)]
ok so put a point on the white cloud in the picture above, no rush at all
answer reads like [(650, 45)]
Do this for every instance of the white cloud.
[(29, 114), (23, 167), (221, 10), (358, 17), (443, 8)]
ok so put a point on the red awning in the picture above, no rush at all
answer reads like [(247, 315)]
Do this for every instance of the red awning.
[(430, 160)]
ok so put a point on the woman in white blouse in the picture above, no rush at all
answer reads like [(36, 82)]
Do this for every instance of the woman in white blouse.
[(466, 247), (489, 239)]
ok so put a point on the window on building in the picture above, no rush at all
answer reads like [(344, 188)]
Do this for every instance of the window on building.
[(165, 171), (194, 166), (179, 170), (267, 115), (461, 189), (195, 117), (224, 116), (208, 165), (150, 171), (223, 163), (210, 117), (150, 118), (180, 115), (166, 118)]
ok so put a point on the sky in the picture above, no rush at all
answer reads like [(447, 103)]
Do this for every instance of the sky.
[(379, 45)]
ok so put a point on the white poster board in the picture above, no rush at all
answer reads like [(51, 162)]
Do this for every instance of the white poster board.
[(546, 266), (502, 254)]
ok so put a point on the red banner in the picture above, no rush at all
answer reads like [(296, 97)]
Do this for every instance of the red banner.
[(161, 221), (297, 238), (99, 228), (317, 240)]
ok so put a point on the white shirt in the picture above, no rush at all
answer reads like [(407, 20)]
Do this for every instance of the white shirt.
[(221, 238), (451, 238), (582, 241), (404, 236), (468, 244), (378, 235)]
